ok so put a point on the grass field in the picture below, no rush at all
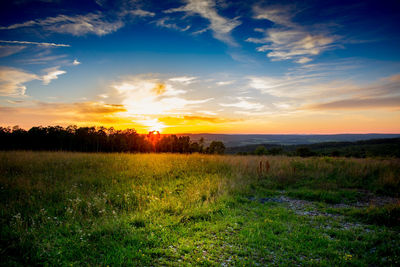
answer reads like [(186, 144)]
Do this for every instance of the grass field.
[(166, 209)]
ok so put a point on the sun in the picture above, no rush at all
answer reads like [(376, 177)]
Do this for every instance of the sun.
[(155, 125)]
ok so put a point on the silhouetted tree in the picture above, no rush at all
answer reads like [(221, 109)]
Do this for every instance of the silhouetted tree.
[(95, 139), (260, 150), (216, 147), (304, 152)]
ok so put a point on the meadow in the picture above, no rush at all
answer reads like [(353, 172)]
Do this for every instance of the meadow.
[(65, 208)]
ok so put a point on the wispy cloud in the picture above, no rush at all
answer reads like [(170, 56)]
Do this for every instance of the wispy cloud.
[(81, 108), (165, 23), (83, 113), (288, 40), (177, 120), (15, 102), (44, 57), (363, 103), (104, 96), (141, 13), (223, 83), (277, 14), (51, 74), (91, 23), (207, 112), (220, 26), (76, 62), (35, 43), (12, 81), (243, 103), (314, 93), (183, 79), (8, 50)]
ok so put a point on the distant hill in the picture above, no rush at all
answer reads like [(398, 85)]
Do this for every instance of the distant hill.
[(387, 147), (235, 140)]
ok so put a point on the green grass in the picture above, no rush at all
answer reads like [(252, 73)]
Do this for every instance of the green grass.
[(166, 209), (327, 196)]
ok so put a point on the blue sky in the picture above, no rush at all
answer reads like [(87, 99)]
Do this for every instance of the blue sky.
[(202, 65)]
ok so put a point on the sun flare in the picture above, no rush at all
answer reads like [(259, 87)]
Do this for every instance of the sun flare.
[(154, 125)]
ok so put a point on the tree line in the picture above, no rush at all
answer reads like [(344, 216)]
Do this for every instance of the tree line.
[(100, 139), (384, 147)]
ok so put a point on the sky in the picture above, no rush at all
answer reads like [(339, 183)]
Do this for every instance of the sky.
[(202, 66)]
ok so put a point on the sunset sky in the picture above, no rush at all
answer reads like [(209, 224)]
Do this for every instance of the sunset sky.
[(191, 66)]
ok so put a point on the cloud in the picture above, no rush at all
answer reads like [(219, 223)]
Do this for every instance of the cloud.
[(76, 62), (44, 57), (149, 95), (207, 112), (163, 22), (159, 89), (176, 120), (52, 74), (277, 14), (79, 25), (84, 113), (287, 40), (12, 81), (394, 78), (15, 101), (365, 103), (179, 103), (244, 104), (35, 43), (317, 93), (141, 13), (303, 60), (77, 108), (223, 83), (82, 108), (280, 87), (183, 79), (8, 50), (97, 108), (104, 96), (220, 26)]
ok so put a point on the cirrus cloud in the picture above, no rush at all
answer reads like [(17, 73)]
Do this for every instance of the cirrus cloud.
[(220, 26), (78, 25), (52, 74), (287, 40), (12, 81)]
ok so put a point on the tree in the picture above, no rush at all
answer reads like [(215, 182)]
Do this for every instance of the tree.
[(216, 147), (201, 145), (260, 150), (275, 151), (304, 152)]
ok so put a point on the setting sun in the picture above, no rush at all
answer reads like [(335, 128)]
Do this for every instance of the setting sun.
[(154, 125)]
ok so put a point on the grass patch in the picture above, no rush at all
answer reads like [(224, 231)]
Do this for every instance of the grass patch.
[(388, 215), (329, 196)]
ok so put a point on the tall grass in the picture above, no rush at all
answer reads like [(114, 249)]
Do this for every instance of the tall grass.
[(49, 199)]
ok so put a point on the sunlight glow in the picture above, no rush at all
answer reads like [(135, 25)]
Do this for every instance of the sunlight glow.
[(153, 125)]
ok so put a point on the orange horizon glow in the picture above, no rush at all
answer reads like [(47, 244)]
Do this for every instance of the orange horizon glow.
[(117, 116)]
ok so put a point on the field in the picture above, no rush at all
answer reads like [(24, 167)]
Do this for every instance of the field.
[(166, 209)]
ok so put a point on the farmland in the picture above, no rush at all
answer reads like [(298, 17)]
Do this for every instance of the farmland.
[(64, 208)]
